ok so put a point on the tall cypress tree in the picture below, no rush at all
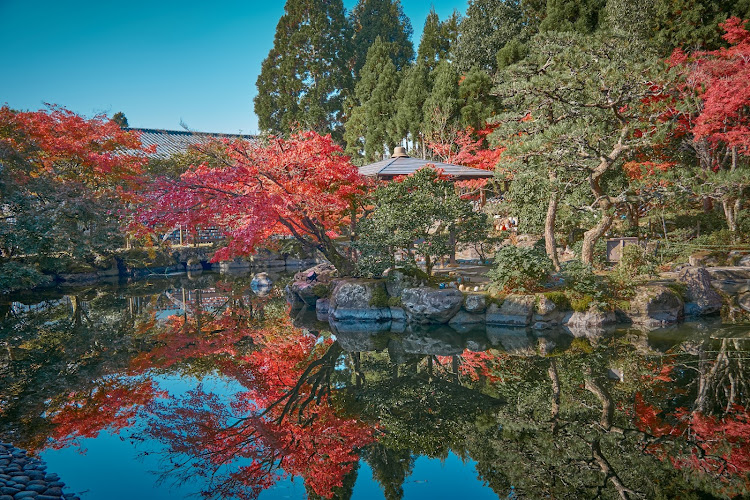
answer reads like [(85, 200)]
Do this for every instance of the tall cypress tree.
[(442, 106), (305, 78), (437, 39), (375, 106), (486, 28), (582, 16), (414, 89), (385, 19)]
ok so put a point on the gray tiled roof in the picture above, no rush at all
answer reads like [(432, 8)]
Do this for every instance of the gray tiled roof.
[(391, 167), (169, 142)]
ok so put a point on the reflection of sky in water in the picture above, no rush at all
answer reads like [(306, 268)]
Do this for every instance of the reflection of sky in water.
[(113, 467)]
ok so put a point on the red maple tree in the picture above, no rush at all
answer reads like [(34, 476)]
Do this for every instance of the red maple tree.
[(303, 186)]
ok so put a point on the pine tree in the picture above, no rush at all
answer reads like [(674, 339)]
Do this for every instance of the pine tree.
[(375, 106), (488, 26), (305, 78), (385, 19)]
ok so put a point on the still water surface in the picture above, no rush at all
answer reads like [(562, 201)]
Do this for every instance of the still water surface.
[(171, 388)]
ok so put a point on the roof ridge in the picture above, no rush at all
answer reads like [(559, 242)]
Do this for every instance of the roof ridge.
[(187, 132)]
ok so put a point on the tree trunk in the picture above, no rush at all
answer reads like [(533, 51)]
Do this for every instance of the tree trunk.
[(550, 243), (731, 209), (591, 236)]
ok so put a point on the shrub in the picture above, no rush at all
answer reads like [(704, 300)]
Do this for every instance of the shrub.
[(581, 304), (379, 298), (634, 266), (580, 278), (520, 269), (394, 301), (560, 300)]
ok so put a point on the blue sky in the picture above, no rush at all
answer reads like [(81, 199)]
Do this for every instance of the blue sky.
[(159, 62)]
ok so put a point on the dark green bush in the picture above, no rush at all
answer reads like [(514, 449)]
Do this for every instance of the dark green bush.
[(379, 298), (580, 278), (520, 269), (16, 276)]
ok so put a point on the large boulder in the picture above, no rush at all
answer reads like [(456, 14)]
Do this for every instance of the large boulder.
[(700, 297), (463, 318), (359, 300), (730, 280), (312, 284), (429, 305), (593, 319), (475, 303), (655, 306), (516, 310)]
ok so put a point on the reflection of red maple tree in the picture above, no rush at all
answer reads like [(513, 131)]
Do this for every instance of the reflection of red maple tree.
[(717, 445), (112, 405), (283, 425)]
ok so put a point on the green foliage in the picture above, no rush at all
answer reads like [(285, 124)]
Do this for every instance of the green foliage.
[(519, 269), (143, 258), (634, 267), (380, 297), (581, 303), (561, 301), (371, 19), (120, 119), (16, 276), (442, 107), (512, 52), (489, 25), (436, 40), (367, 129), (559, 123), (305, 78), (421, 215), (412, 93), (582, 16), (692, 24), (394, 302), (580, 278), (478, 104)]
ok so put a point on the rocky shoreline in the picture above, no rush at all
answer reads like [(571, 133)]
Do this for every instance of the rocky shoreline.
[(23, 476), (692, 292)]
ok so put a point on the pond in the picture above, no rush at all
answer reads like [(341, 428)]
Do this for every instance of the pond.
[(168, 388)]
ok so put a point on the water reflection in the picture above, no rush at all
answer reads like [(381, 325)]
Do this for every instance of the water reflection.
[(623, 415)]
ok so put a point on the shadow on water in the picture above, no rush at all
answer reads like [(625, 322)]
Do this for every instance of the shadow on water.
[(537, 414)]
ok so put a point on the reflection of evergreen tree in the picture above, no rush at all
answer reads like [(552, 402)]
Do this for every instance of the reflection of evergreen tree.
[(390, 468)]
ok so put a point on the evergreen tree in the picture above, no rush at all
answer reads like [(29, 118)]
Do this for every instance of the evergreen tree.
[(582, 16), (385, 19), (477, 102), (120, 119), (488, 26), (693, 24), (442, 107), (305, 78), (437, 39), (412, 93), (368, 125)]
